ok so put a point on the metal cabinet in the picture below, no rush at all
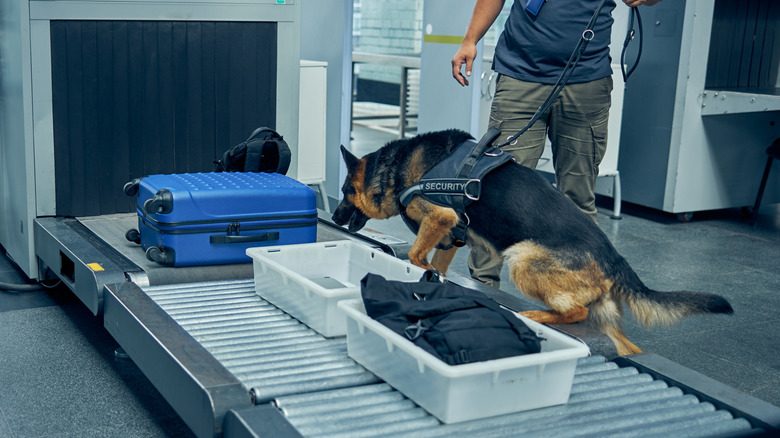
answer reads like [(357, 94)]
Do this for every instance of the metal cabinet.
[(703, 106), (312, 126)]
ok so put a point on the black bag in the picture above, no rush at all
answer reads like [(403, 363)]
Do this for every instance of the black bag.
[(264, 151), (456, 324)]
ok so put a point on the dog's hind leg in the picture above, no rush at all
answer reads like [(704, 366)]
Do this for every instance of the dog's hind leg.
[(623, 345), (570, 316), (442, 258), (537, 272), (606, 315), (435, 224)]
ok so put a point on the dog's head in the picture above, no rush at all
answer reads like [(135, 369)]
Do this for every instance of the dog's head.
[(347, 212)]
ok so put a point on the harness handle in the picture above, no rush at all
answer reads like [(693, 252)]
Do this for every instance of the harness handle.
[(486, 141)]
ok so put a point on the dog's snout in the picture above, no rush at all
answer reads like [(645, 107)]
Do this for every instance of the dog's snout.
[(338, 220), (342, 214)]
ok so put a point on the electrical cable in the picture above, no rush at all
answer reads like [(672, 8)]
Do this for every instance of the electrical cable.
[(12, 287), (25, 287), (50, 286)]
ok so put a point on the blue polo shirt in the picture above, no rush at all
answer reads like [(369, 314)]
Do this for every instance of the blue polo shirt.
[(536, 48)]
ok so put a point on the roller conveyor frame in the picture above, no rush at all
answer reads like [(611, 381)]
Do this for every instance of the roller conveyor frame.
[(195, 384), (212, 401)]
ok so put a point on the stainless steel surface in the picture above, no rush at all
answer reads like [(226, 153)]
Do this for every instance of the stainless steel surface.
[(199, 388), (605, 401), (80, 263), (746, 100), (267, 350)]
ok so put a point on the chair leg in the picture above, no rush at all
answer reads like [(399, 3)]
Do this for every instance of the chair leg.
[(324, 196), (617, 197), (757, 205)]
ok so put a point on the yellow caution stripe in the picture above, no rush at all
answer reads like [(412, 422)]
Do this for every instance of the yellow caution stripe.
[(443, 39), (95, 267)]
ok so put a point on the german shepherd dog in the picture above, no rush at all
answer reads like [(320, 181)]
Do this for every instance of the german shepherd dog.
[(555, 253)]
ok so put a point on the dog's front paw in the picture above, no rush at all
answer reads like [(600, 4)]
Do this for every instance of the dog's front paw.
[(422, 262)]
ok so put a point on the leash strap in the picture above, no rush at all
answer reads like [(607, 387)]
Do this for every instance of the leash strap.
[(629, 37), (566, 73)]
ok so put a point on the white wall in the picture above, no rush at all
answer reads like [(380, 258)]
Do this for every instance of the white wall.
[(16, 153), (326, 35)]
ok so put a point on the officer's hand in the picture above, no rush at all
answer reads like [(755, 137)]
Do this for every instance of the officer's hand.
[(465, 55)]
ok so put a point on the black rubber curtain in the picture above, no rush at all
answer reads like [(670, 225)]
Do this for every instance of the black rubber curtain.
[(134, 98)]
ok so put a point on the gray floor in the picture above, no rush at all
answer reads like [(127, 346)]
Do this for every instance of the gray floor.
[(59, 376)]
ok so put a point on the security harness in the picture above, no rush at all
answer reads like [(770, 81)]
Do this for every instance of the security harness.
[(469, 162)]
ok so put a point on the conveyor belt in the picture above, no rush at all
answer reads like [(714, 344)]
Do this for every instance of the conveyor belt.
[(219, 354), (605, 401), (270, 352), (322, 392)]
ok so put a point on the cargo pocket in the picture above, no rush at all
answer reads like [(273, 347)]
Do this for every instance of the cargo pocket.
[(600, 125), (599, 130)]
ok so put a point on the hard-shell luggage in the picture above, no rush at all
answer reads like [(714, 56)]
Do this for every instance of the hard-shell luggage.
[(197, 219)]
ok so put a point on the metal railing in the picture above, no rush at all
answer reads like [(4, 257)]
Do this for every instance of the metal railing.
[(405, 63)]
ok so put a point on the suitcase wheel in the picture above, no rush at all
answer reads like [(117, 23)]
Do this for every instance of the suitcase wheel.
[(131, 188), (160, 203), (163, 256), (133, 235)]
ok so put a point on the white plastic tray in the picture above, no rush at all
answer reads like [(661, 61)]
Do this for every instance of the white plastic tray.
[(455, 393), (307, 280)]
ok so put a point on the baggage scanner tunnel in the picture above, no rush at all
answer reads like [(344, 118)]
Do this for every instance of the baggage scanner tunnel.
[(96, 94), (136, 98), (123, 91)]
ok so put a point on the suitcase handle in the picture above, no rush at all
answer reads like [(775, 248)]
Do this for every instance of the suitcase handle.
[(264, 237)]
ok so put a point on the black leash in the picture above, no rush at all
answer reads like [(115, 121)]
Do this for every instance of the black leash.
[(629, 37)]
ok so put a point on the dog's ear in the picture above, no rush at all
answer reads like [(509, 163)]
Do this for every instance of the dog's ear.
[(349, 159)]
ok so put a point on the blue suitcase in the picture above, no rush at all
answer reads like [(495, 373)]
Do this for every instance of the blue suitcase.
[(195, 219)]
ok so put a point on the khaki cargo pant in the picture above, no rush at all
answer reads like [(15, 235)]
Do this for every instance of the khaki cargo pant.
[(576, 124)]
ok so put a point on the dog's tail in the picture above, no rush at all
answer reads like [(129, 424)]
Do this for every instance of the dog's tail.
[(652, 308)]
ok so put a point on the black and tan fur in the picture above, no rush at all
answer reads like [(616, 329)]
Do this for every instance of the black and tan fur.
[(554, 252)]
